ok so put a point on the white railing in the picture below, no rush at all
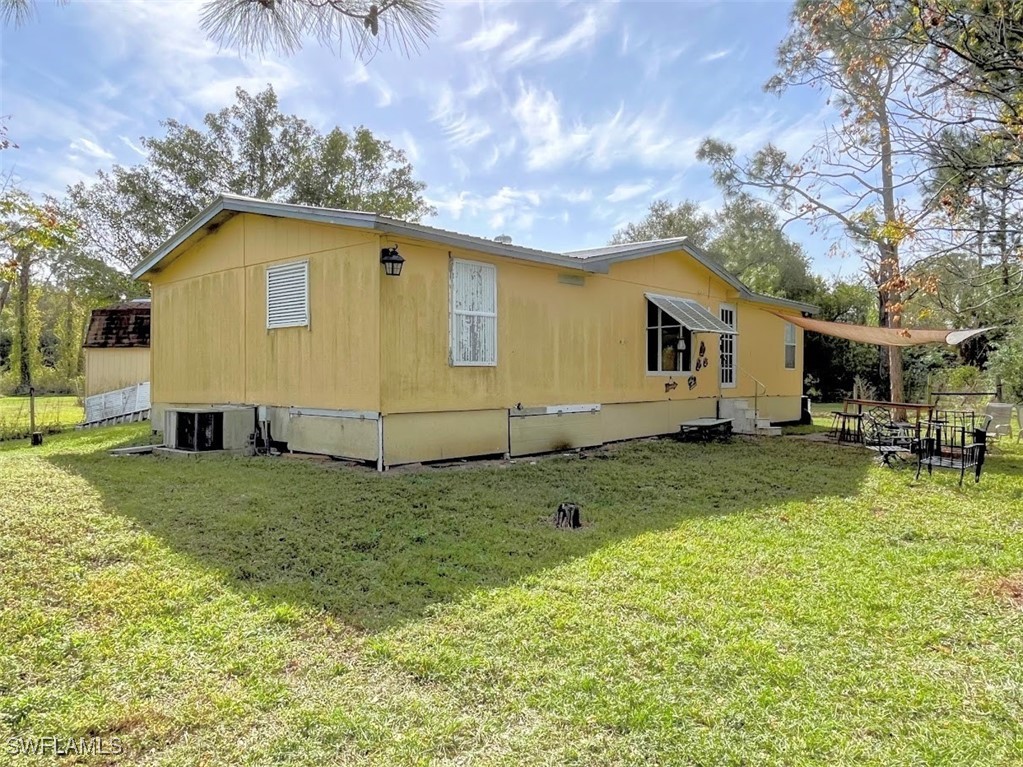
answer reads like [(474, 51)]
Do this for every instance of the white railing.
[(120, 403)]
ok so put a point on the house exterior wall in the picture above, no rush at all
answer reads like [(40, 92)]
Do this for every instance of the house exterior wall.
[(111, 369), (210, 339), (559, 343), (381, 345)]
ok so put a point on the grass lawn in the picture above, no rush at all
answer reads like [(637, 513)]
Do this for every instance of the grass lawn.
[(774, 602), (53, 414)]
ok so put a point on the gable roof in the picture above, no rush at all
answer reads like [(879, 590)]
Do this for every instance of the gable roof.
[(123, 326), (595, 260)]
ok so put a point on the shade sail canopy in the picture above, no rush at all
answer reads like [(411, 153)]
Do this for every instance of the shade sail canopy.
[(690, 314), (866, 334)]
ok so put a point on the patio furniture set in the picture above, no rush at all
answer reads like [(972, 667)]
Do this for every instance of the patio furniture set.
[(936, 438)]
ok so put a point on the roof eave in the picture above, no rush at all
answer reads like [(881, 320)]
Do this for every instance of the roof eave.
[(179, 237), (604, 262), (371, 221)]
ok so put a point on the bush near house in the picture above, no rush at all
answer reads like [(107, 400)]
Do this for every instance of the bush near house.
[(772, 603)]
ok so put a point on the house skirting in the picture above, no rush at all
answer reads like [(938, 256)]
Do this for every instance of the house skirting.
[(401, 438)]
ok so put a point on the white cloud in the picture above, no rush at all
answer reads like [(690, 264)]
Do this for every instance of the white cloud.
[(507, 207), (132, 146), (716, 55), (624, 192), (580, 37), (490, 37), (578, 195), (643, 137), (538, 115), (90, 148), (658, 57), (361, 75), (461, 128), (521, 52), (411, 147)]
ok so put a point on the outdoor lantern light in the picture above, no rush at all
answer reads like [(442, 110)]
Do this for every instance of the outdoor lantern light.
[(392, 261), (681, 344)]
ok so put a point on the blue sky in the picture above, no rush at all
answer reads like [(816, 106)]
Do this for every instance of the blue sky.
[(552, 122)]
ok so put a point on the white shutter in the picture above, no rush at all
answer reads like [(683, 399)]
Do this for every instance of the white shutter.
[(287, 295), (473, 313)]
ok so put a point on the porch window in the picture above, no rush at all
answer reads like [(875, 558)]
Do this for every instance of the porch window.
[(790, 346), (669, 346)]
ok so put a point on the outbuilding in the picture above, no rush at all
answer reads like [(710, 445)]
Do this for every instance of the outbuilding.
[(117, 347)]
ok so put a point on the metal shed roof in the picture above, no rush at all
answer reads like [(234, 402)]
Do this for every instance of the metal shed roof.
[(123, 326), (595, 260)]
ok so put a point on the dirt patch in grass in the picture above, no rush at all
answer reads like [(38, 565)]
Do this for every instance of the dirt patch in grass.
[(1010, 589)]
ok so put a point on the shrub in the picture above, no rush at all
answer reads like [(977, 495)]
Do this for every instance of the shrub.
[(1006, 362)]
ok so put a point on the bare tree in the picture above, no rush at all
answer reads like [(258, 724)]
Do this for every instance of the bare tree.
[(864, 173)]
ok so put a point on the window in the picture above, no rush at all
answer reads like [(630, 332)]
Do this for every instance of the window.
[(669, 346), (473, 313), (727, 314), (287, 295), (790, 346)]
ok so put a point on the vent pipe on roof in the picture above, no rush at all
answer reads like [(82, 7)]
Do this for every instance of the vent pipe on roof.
[(504, 239)]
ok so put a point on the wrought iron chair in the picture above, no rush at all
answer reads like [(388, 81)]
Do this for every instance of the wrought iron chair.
[(890, 440), (1001, 419), (948, 445), (845, 427)]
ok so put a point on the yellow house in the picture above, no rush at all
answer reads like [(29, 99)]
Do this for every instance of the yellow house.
[(476, 348), (117, 347)]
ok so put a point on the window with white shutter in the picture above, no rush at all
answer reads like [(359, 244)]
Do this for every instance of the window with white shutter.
[(287, 295), (473, 313)]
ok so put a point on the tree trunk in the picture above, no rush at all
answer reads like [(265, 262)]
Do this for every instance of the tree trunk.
[(24, 332), (895, 374), (890, 271)]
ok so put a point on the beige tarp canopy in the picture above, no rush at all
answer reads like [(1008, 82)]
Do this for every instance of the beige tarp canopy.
[(884, 336)]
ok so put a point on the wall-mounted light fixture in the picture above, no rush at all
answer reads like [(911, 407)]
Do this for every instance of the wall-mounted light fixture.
[(392, 261)]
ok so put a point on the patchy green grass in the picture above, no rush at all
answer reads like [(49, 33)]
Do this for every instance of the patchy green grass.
[(821, 419), (53, 414), (771, 602)]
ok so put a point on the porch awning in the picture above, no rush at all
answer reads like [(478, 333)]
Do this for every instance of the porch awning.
[(690, 314), (866, 334)]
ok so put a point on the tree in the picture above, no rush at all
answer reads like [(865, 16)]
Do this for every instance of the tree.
[(1007, 364), (976, 60), (29, 231), (282, 25), (663, 221), (976, 236), (250, 148), (744, 236), (832, 365), (862, 174), (750, 243)]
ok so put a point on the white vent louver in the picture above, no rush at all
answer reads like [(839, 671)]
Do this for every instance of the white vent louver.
[(287, 295)]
